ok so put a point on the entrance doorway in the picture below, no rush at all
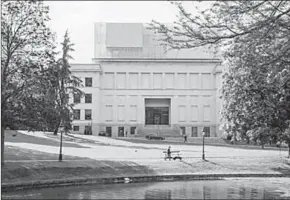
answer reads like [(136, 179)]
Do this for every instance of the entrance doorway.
[(109, 131), (157, 116), (157, 111), (120, 131)]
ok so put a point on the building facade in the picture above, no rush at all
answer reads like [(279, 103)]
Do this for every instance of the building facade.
[(134, 86)]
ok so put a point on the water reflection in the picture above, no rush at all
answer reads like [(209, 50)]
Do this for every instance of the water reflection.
[(161, 194), (246, 188)]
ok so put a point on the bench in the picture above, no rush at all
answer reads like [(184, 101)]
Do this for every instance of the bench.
[(176, 155)]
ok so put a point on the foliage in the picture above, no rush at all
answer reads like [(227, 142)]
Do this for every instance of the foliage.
[(255, 40), (26, 46), (35, 87)]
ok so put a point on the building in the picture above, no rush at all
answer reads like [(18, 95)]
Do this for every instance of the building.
[(135, 86)]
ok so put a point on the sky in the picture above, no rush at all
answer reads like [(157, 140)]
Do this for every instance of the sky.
[(78, 18)]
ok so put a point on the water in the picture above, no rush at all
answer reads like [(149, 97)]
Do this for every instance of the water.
[(243, 188)]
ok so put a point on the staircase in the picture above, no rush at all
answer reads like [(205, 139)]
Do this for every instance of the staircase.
[(163, 130)]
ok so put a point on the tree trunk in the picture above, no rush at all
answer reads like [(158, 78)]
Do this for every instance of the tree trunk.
[(288, 149), (2, 143), (56, 128)]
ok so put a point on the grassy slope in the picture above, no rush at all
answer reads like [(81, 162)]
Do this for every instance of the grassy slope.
[(41, 167)]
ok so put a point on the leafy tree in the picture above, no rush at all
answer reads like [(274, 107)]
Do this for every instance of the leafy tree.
[(26, 46), (255, 41)]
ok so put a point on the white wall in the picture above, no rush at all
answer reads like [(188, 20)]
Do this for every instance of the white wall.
[(82, 71), (120, 89), (190, 86)]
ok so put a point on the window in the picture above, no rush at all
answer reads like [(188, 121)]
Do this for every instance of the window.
[(77, 114), (182, 130), (77, 98), (120, 131), (207, 131), (88, 114), (76, 128), (88, 98), (109, 131), (193, 131), (88, 82), (88, 130), (132, 130)]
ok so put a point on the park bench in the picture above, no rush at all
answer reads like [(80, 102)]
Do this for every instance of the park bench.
[(174, 155)]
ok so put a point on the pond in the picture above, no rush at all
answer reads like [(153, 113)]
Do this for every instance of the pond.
[(230, 188)]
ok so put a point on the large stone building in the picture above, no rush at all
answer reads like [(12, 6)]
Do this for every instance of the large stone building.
[(135, 86)]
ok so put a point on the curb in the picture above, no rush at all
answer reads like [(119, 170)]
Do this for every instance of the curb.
[(8, 187)]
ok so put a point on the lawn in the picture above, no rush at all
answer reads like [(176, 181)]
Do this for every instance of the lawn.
[(101, 156)]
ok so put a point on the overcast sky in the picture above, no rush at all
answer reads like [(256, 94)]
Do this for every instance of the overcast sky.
[(79, 17)]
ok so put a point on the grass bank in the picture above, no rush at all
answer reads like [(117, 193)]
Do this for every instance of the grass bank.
[(43, 170)]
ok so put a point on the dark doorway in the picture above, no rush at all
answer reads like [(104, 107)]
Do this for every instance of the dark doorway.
[(120, 131), (157, 115), (132, 130), (183, 132), (207, 131), (88, 130), (109, 131)]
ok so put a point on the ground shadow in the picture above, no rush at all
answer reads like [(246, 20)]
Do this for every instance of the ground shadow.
[(18, 137), (205, 160), (211, 162), (283, 170)]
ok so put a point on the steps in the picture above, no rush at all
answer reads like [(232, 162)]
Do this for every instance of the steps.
[(163, 130), (198, 140)]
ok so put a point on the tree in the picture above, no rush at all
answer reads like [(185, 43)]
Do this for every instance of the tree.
[(255, 39), (26, 45), (63, 84)]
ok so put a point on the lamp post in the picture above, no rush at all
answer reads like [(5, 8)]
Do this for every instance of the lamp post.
[(203, 134), (61, 127)]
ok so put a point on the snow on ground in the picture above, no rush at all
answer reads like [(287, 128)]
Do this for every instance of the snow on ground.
[(118, 149)]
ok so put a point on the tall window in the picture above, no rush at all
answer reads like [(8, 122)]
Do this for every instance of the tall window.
[(207, 131), (109, 131), (182, 130), (88, 82), (76, 128), (88, 130), (120, 131), (194, 131), (88, 98), (88, 114), (77, 98), (132, 130), (77, 114)]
